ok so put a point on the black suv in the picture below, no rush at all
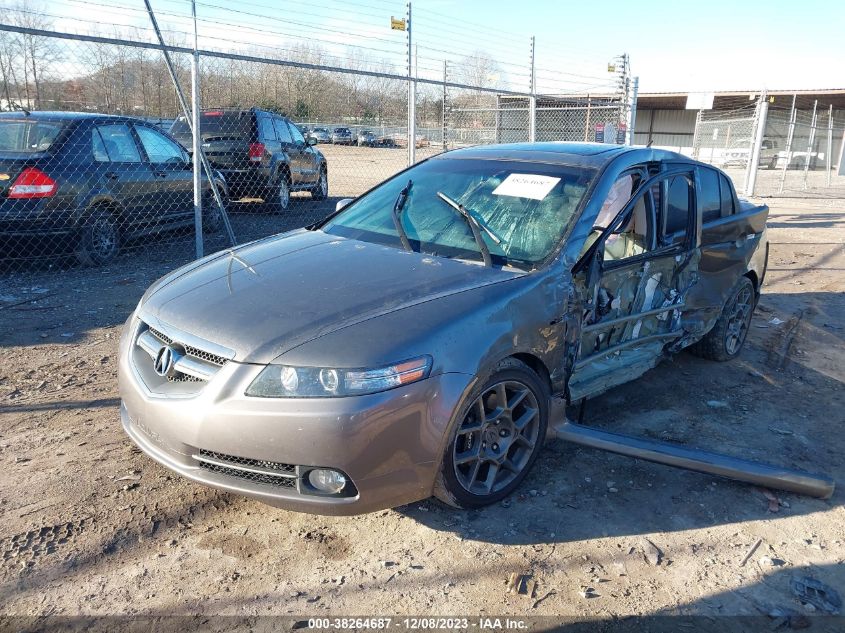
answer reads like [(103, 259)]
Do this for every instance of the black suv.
[(261, 154), (86, 182)]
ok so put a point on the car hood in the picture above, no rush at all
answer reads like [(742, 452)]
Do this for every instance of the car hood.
[(266, 298)]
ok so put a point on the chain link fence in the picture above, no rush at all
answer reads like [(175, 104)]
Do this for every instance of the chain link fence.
[(799, 149), (96, 163)]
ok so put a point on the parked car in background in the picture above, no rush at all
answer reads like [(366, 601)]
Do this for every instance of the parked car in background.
[(415, 342), (320, 134), (368, 138), (739, 154), (342, 136), (401, 140), (261, 154), (85, 183)]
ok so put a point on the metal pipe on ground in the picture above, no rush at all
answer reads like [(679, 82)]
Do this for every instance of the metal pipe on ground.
[(765, 475)]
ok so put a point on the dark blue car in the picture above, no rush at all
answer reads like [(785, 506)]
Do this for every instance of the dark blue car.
[(85, 183)]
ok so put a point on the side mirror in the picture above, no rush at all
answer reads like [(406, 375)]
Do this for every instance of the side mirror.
[(310, 141), (341, 204)]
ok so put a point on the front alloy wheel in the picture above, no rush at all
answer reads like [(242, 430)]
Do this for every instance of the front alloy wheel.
[(497, 439)]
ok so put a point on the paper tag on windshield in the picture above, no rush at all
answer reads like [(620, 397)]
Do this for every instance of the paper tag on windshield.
[(526, 186)]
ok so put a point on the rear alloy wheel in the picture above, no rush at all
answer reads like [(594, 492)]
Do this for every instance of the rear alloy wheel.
[(280, 200), (99, 241), (321, 191), (496, 440), (725, 340)]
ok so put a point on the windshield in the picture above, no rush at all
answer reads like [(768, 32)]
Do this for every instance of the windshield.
[(28, 136), (526, 206)]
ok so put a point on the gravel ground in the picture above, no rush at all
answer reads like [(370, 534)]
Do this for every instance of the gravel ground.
[(91, 526)]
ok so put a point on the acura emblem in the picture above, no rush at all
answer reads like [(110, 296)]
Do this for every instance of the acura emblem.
[(165, 360)]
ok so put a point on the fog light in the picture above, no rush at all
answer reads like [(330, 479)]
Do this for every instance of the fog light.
[(326, 480)]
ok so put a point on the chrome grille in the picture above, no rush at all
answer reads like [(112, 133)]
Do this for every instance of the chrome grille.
[(214, 359), (193, 366)]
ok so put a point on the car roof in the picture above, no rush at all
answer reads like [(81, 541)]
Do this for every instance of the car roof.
[(561, 153)]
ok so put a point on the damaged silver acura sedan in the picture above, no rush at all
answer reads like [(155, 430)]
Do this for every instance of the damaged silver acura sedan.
[(413, 343)]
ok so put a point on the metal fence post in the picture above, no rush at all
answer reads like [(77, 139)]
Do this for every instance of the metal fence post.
[(632, 112), (829, 142), (789, 136), (696, 136), (412, 99), (183, 106), (532, 100), (443, 113), (759, 133), (197, 136), (587, 120), (811, 141)]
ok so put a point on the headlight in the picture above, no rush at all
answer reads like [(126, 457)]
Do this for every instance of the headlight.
[(285, 381)]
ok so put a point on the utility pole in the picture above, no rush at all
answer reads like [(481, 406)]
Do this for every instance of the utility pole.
[(195, 117), (412, 97), (532, 100)]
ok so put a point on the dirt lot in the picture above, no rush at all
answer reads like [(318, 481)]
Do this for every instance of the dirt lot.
[(91, 526)]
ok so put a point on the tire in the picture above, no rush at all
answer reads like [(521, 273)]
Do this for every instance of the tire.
[(280, 194), (724, 342), (773, 163), (321, 191), (212, 218), (467, 481), (99, 241)]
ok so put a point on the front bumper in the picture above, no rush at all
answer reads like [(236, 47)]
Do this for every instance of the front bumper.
[(388, 444)]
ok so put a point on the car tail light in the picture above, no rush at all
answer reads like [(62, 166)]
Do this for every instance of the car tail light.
[(213, 113), (256, 152), (33, 183)]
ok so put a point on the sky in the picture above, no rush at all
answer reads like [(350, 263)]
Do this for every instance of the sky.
[(673, 46)]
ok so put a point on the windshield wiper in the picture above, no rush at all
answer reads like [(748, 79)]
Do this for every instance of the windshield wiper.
[(397, 216), (474, 225)]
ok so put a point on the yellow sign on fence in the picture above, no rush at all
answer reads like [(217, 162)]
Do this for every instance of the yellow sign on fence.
[(397, 25)]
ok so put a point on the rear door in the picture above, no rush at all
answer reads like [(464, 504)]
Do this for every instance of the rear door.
[(290, 149), (730, 236), (644, 263), (306, 155), (173, 170), (129, 178)]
